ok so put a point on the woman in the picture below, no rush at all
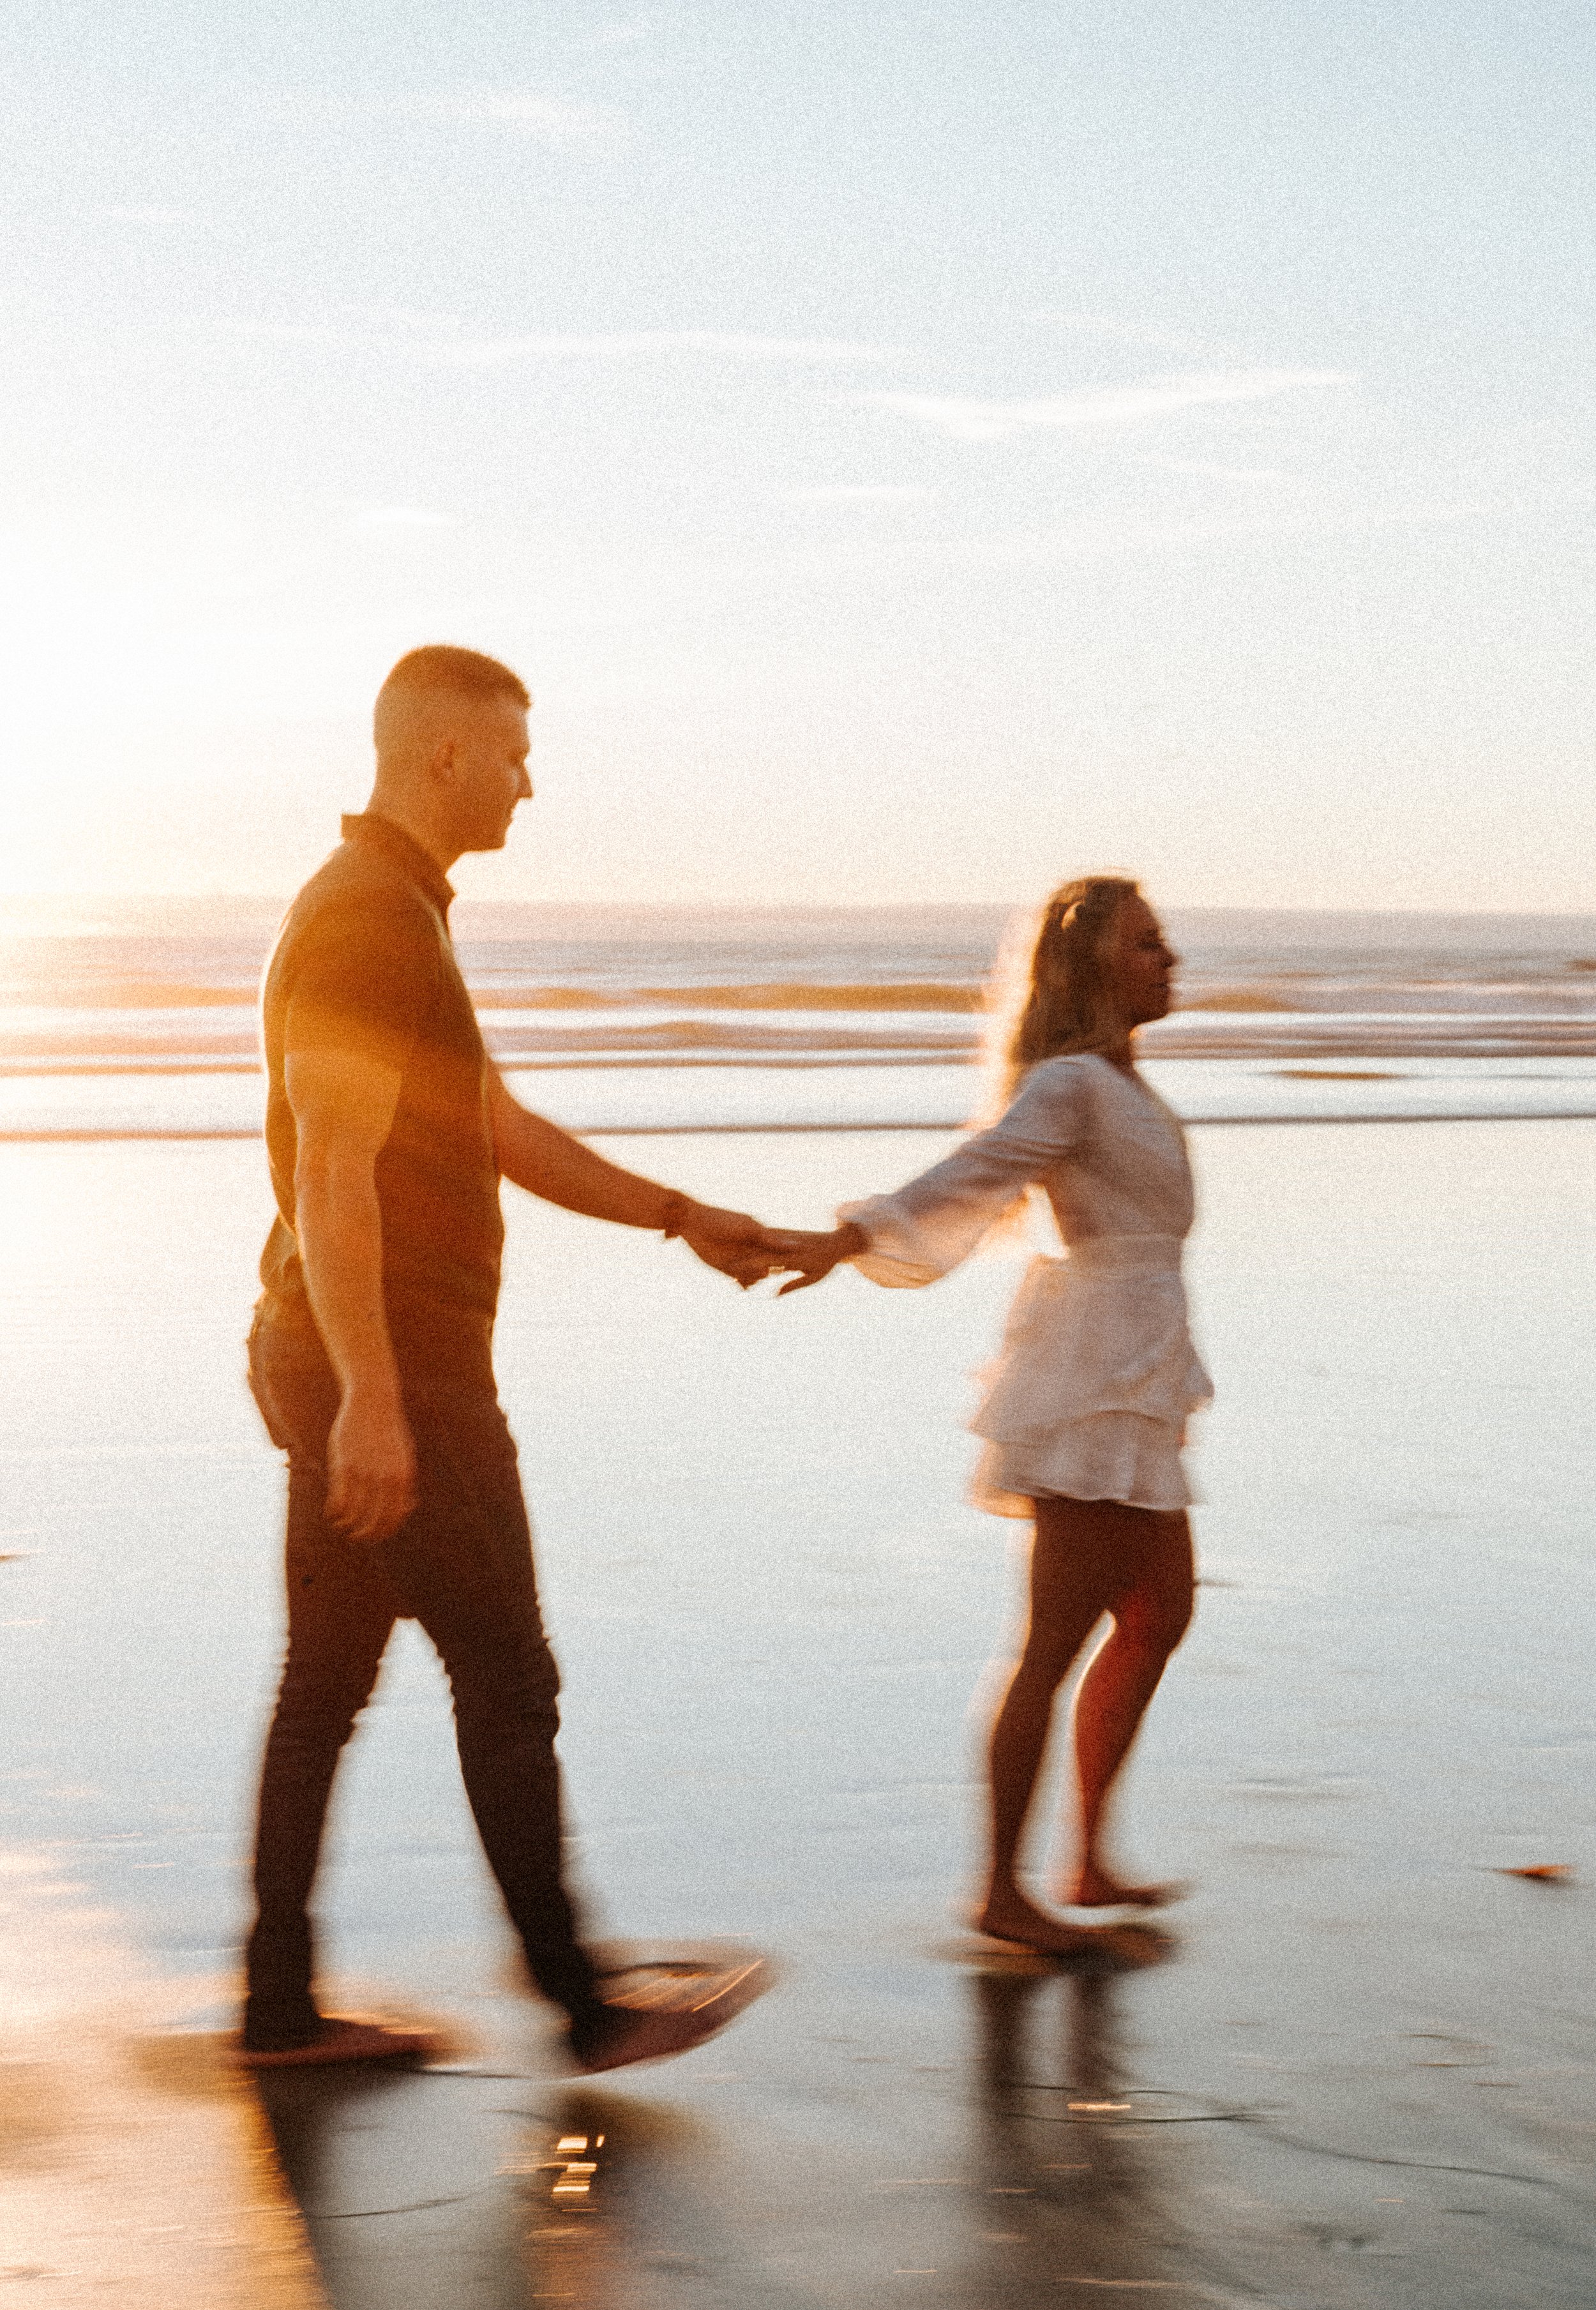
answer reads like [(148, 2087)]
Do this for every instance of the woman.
[(1085, 1411)]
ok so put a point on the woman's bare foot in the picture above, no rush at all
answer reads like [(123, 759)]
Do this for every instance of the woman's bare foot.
[(1093, 1888), (1009, 1917)]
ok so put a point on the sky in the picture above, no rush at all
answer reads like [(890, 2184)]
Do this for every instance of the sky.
[(913, 451)]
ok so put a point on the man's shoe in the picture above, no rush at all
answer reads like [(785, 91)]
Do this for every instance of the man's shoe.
[(643, 2037), (657, 2008), (343, 2038)]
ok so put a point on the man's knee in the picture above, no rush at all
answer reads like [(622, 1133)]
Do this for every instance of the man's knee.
[(506, 1682), (320, 1701), (523, 1721)]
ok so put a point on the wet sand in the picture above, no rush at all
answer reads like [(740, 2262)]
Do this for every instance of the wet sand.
[(136, 2165), (1367, 2074)]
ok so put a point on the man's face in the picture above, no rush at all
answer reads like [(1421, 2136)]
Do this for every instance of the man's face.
[(491, 751)]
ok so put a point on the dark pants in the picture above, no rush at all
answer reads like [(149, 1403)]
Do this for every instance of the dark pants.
[(461, 1566)]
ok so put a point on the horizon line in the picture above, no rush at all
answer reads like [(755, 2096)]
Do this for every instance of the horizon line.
[(41, 902)]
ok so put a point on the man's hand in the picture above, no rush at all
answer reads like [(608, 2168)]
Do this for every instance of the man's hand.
[(734, 1243), (371, 1466)]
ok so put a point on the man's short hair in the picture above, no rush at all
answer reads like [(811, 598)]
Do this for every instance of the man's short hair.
[(440, 665)]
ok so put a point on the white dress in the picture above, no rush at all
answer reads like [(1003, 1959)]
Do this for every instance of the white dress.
[(1089, 1397)]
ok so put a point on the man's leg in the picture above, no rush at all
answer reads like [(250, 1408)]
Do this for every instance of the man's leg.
[(341, 1611), (465, 1565)]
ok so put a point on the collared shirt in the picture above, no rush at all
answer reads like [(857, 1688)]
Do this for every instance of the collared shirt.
[(364, 964)]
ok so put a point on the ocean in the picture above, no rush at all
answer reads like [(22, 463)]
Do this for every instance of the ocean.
[(135, 1017)]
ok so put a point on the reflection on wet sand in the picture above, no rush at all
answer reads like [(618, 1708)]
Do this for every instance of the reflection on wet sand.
[(1005, 2142), (394, 2173), (996, 2137), (1043, 2045), (133, 2162), (427, 2188), (1027, 2164), (611, 2206), (1065, 2190), (567, 2246)]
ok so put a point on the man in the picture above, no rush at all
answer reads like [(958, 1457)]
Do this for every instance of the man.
[(388, 1130)]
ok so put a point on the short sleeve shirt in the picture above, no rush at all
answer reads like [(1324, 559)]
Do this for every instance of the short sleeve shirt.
[(364, 963)]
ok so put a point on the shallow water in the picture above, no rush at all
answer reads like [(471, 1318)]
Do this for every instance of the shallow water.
[(138, 1017), (1369, 2076)]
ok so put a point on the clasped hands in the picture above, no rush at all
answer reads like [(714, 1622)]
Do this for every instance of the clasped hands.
[(739, 1246)]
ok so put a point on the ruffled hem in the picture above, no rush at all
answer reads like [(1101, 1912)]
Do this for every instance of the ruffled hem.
[(1110, 1455)]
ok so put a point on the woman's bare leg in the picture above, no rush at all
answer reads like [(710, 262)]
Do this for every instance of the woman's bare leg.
[(1075, 1573), (1149, 1622)]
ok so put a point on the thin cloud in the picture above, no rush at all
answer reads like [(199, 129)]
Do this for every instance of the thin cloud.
[(401, 517), (550, 121), (625, 35), (297, 333), (410, 318), (546, 119), (858, 493), (969, 420), (144, 212), (1109, 326), (1206, 472), (453, 351), (1100, 539), (492, 352)]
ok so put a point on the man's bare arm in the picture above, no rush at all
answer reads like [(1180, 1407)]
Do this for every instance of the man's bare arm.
[(344, 1111), (547, 1161)]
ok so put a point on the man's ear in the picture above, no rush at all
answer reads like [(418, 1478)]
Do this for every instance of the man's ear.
[(444, 763)]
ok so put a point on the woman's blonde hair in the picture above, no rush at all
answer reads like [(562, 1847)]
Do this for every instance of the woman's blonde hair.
[(1050, 993)]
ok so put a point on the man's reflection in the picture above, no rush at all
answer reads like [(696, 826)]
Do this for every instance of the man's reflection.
[(413, 2198), (397, 2188)]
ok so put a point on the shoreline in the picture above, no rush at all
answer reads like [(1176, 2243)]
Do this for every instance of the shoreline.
[(112, 1136)]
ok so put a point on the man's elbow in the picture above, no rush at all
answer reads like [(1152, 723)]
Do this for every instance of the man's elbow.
[(530, 1152)]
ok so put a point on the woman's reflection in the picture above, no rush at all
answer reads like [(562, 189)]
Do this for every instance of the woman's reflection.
[(1066, 2183)]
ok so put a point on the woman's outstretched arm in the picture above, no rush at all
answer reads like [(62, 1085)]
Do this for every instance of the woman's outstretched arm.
[(935, 1221)]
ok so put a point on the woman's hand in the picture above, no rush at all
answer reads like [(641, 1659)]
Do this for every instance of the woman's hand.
[(814, 1254)]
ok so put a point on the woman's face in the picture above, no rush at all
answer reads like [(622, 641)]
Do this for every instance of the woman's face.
[(1140, 966)]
